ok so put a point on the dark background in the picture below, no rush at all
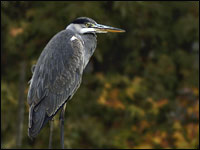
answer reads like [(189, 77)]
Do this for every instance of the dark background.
[(140, 89)]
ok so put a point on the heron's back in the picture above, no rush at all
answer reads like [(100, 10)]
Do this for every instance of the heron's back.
[(55, 79)]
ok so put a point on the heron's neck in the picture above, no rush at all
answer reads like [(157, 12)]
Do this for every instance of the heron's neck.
[(90, 43)]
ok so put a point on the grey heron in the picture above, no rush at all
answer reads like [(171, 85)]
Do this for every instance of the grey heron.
[(58, 72)]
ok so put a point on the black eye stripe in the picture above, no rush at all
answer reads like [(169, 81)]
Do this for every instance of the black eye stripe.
[(80, 21), (83, 20)]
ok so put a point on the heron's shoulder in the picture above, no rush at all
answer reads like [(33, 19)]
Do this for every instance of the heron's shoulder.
[(59, 42), (63, 35)]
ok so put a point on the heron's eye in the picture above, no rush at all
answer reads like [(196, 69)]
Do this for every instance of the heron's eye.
[(88, 25)]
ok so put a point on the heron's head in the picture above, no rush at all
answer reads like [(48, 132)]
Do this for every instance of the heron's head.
[(85, 25)]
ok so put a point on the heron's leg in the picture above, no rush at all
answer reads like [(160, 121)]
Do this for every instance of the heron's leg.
[(51, 133), (62, 125)]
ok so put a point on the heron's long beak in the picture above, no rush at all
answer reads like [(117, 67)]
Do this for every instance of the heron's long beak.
[(99, 28)]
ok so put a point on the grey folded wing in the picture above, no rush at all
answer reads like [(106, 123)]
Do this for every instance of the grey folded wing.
[(56, 77)]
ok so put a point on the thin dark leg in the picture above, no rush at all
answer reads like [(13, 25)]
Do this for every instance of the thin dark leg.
[(51, 133), (62, 126)]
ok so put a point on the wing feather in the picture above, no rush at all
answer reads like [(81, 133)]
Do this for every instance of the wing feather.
[(56, 77)]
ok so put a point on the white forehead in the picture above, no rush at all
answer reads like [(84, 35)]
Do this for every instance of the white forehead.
[(80, 28), (75, 27)]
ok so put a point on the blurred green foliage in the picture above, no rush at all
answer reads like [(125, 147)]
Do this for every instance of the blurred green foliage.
[(140, 89)]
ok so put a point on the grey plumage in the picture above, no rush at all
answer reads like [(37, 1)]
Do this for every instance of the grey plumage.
[(56, 77), (58, 72)]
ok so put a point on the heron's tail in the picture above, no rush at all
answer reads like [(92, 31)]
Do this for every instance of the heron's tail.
[(36, 120)]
